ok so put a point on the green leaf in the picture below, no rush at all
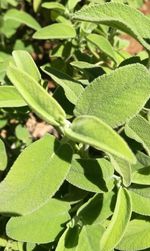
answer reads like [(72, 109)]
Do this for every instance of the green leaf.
[(94, 175), (97, 209), (36, 5), (116, 229), (71, 87), (24, 62), (91, 130), (10, 97), (122, 167), (141, 175), (103, 44), (138, 129), (84, 65), (56, 31), (3, 156), (140, 203), (41, 226), (119, 16), (36, 97), (120, 95), (137, 236), (88, 239), (35, 176), (23, 18), (53, 5), (71, 4)]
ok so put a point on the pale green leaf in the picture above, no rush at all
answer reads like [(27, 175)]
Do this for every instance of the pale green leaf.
[(141, 175), (55, 31), (36, 5), (3, 156), (140, 203), (71, 87), (118, 224), (41, 226), (94, 175), (23, 18), (102, 44), (97, 209), (35, 176), (122, 167), (85, 239), (36, 97), (118, 16), (71, 4), (53, 5), (10, 97), (91, 130), (138, 129), (116, 97), (24, 62), (84, 65), (137, 236)]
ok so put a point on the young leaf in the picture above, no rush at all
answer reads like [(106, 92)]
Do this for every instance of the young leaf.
[(71, 4), (119, 16), (53, 5), (3, 156), (41, 226), (94, 175), (138, 129), (10, 97), (36, 97), (116, 229), (140, 202), (23, 18), (91, 130), (103, 44), (123, 168), (55, 31), (120, 95), (137, 236), (84, 65), (24, 62), (35, 176), (71, 87)]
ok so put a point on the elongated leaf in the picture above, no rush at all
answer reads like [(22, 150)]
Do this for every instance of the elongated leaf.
[(140, 203), (137, 236), (139, 129), (119, 222), (3, 156), (141, 171), (36, 175), (91, 175), (23, 18), (97, 209), (72, 4), (36, 4), (55, 31), (10, 97), (116, 97), (71, 87), (53, 5), (123, 168), (119, 16), (103, 44), (93, 131), (84, 65), (41, 226), (36, 97), (88, 239), (24, 62)]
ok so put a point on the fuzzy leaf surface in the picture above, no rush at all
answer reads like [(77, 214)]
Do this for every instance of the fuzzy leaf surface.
[(41, 226), (93, 131), (35, 176), (23, 18), (10, 97), (44, 105), (3, 156), (118, 224), (56, 31), (116, 97), (119, 16)]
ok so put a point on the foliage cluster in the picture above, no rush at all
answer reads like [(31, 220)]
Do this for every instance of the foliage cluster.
[(88, 189)]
